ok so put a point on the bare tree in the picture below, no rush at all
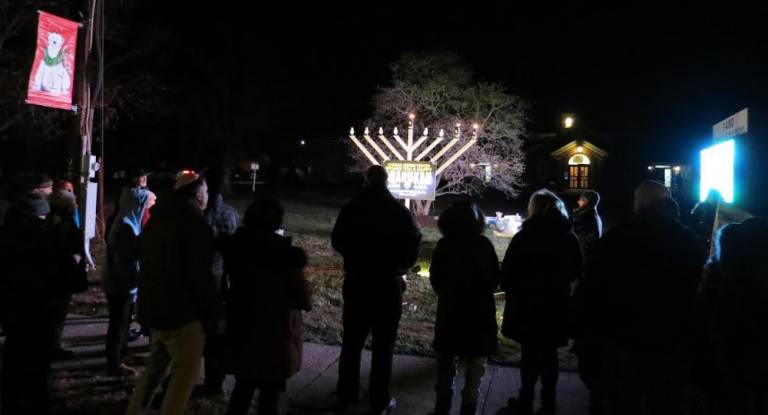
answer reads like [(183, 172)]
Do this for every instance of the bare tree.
[(441, 90)]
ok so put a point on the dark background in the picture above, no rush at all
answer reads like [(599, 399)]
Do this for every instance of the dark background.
[(232, 79)]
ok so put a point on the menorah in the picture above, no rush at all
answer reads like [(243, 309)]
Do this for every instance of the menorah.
[(410, 147)]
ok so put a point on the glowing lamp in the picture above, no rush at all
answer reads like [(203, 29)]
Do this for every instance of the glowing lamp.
[(568, 122)]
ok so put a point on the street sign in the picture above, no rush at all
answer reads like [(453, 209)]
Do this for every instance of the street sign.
[(411, 179), (732, 126)]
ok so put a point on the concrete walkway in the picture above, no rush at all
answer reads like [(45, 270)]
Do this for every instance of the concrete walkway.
[(311, 390)]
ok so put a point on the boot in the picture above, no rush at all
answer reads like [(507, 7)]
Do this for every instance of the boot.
[(269, 400), (468, 408), (523, 404), (443, 403), (548, 402)]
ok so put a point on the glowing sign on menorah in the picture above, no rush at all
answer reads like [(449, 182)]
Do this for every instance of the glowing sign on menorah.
[(409, 147)]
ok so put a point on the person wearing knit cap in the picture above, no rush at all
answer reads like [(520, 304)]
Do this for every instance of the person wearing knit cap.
[(27, 288), (635, 305), (67, 186), (587, 224), (178, 299), (43, 184)]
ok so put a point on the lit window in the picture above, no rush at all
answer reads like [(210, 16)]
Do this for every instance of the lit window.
[(578, 159)]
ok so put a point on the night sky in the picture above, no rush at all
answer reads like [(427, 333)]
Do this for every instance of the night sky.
[(653, 80)]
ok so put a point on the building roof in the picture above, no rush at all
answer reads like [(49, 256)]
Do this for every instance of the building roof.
[(570, 147)]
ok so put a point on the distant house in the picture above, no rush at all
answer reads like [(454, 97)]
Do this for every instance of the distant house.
[(563, 164), (581, 163)]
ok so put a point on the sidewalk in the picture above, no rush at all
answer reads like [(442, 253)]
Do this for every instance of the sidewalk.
[(310, 391)]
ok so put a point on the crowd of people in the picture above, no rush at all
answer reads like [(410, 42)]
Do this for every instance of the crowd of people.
[(659, 324)]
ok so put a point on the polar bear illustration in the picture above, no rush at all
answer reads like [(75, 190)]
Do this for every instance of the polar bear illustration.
[(52, 77)]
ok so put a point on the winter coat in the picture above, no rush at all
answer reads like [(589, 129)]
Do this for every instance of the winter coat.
[(223, 220), (377, 236), (122, 271), (464, 274), (588, 227), (540, 263), (639, 291), (69, 242), (268, 292), (737, 332), (176, 253), (28, 279)]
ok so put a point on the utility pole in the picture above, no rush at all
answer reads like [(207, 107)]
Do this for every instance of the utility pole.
[(90, 87)]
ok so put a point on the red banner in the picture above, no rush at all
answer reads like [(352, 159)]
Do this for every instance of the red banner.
[(52, 79)]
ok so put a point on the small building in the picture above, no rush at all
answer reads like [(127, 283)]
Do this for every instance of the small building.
[(564, 165), (581, 163)]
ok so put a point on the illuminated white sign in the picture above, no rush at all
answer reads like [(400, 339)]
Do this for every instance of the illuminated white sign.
[(717, 170), (411, 179)]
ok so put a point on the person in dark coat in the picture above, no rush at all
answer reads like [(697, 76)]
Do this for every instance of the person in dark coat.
[(223, 220), (379, 240), (28, 290), (72, 277), (541, 262), (464, 274), (264, 323), (178, 300), (588, 227), (636, 306), (587, 224), (735, 293)]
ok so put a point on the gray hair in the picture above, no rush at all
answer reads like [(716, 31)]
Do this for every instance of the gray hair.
[(543, 202)]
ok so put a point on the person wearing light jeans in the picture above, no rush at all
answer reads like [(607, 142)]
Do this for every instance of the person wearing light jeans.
[(464, 274), (178, 298), (474, 369), (179, 350)]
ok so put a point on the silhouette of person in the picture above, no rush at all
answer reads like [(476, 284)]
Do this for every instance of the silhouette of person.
[(464, 274), (636, 306), (379, 241), (540, 263)]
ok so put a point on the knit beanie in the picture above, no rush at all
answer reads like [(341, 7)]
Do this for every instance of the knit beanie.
[(42, 180), (592, 198), (62, 201), (33, 204)]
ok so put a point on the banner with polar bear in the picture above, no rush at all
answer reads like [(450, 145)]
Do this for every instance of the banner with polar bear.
[(52, 79)]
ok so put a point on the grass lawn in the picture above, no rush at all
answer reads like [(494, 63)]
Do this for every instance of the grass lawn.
[(309, 220)]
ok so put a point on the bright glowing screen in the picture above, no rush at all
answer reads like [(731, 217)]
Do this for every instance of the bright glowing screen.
[(717, 166)]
